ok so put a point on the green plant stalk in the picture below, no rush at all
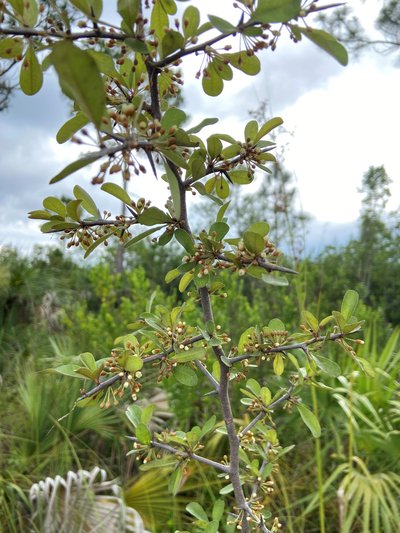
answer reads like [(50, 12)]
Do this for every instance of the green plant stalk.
[(320, 474), (286, 501)]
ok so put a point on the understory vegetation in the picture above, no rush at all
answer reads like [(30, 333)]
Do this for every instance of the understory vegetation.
[(52, 307)]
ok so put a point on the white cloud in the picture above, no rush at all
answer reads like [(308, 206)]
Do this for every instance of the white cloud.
[(341, 130), (344, 120)]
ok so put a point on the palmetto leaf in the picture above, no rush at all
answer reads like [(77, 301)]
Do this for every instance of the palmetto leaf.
[(84, 501)]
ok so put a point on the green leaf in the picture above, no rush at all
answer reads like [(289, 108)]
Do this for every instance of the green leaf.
[(158, 20), (133, 363), (174, 189), (196, 510), (212, 527), (129, 10), (268, 11), (310, 420), (222, 188), (255, 271), (253, 242), (169, 6), (327, 42), (68, 370), (349, 304), (143, 434), (105, 63), (218, 510), (79, 74), (248, 64), (244, 338), (134, 415), (279, 365), (224, 70), (197, 168), (209, 425), (222, 211), (326, 365), (241, 177), (185, 281), (214, 146), (141, 236), (30, 13), (152, 216), (91, 8), (267, 127), (193, 354), (171, 275), (173, 117), (165, 237), (203, 124), (310, 320), (226, 490), (57, 225), (265, 395), (211, 81), (31, 75), (88, 360), (276, 324), (11, 47), (175, 157), (117, 191), (84, 371), (71, 127), (222, 25), (220, 229), (190, 21), (171, 42), (232, 151), (54, 204), (40, 214), (137, 45), (186, 376), (253, 386), (262, 228), (251, 130), (185, 240), (277, 281), (87, 201), (76, 165), (175, 481)]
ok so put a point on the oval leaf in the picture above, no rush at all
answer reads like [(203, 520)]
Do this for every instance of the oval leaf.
[(76, 165), (73, 125), (117, 191), (253, 242), (79, 74), (327, 42), (186, 376), (87, 201), (310, 420), (31, 75)]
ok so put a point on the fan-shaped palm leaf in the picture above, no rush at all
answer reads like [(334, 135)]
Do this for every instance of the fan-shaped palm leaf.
[(82, 503)]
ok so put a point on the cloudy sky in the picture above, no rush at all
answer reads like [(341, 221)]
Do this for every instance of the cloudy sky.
[(339, 122)]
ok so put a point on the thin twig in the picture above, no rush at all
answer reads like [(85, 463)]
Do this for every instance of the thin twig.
[(286, 347), (224, 166), (208, 375), (265, 411), (117, 377), (185, 454), (92, 34), (271, 267)]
